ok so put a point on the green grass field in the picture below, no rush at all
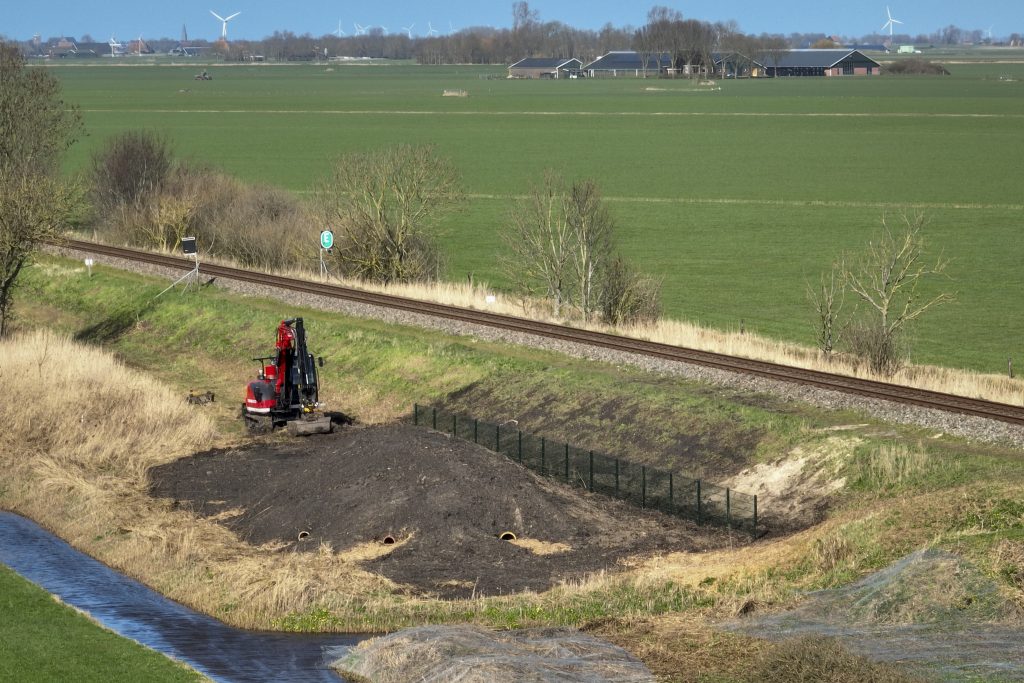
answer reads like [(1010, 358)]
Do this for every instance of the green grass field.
[(41, 640), (735, 197)]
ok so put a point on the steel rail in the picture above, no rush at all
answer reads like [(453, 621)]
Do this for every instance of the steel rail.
[(925, 398)]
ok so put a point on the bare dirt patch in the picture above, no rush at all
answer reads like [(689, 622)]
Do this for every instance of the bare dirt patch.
[(444, 502), (798, 489)]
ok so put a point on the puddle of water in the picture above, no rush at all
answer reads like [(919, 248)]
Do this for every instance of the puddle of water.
[(221, 652)]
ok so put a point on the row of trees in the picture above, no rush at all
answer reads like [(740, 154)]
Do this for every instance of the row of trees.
[(689, 41)]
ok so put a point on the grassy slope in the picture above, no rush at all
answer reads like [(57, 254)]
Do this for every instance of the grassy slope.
[(376, 371), (41, 640), (735, 197), (942, 492)]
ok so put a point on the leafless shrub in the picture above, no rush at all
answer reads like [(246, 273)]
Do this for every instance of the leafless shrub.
[(628, 297), (828, 299), (129, 169), (883, 352), (256, 226)]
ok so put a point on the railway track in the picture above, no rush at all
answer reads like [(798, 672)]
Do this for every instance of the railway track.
[(1002, 412)]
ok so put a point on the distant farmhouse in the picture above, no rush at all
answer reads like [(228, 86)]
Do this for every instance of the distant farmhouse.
[(628, 63), (834, 62), (545, 67)]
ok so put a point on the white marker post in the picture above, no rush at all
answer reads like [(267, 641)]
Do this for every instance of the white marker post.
[(88, 266)]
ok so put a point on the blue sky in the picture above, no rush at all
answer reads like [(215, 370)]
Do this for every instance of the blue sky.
[(20, 19)]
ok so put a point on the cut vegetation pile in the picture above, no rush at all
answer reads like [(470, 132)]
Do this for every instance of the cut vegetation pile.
[(928, 607)]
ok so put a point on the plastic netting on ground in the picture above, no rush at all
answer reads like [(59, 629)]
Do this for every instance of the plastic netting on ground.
[(644, 486)]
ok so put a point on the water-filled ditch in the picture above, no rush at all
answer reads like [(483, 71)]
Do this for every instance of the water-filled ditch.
[(127, 607)]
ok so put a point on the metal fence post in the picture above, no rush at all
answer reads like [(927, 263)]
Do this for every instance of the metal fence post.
[(728, 510), (497, 438), (755, 516), (591, 470), (455, 424), (699, 516), (416, 414), (643, 486), (543, 443), (671, 505), (567, 463), (520, 447), (476, 430), (433, 416), (616, 476)]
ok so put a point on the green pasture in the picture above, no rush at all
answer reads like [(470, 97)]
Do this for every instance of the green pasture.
[(735, 195), (43, 640)]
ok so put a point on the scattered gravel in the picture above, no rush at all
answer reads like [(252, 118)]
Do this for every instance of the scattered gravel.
[(965, 426)]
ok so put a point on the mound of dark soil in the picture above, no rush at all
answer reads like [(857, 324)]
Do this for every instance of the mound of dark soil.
[(444, 500)]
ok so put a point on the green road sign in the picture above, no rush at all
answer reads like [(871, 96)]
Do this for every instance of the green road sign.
[(326, 239)]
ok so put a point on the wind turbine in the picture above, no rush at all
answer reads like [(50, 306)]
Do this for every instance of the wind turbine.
[(888, 24), (360, 30), (431, 31), (340, 32), (408, 30), (224, 24)]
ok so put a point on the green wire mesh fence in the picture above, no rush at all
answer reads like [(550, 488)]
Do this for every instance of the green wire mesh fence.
[(644, 486)]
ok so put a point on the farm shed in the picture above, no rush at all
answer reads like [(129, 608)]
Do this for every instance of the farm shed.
[(822, 63), (628, 63), (735, 65), (544, 67)]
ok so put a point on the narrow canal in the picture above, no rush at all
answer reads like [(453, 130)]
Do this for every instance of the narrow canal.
[(127, 607)]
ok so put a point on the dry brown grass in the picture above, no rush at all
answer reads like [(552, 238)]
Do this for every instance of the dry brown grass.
[(83, 430)]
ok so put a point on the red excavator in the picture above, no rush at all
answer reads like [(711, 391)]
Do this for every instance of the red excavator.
[(285, 392)]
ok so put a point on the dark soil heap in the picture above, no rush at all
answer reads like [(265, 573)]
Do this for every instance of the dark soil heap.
[(449, 498)]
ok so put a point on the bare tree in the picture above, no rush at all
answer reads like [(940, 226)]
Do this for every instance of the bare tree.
[(36, 125), (35, 129), (539, 243), (886, 278), (32, 209), (385, 207), (560, 244), (828, 299), (591, 228), (773, 50)]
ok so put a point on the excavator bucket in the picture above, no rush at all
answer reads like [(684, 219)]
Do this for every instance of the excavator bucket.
[(307, 426)]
